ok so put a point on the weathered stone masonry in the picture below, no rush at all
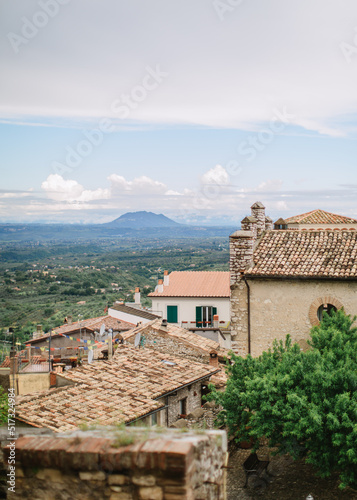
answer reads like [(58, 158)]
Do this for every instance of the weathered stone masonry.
[(101, 464)]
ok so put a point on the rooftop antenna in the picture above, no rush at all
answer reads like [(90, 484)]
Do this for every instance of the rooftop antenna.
[(90, 357), (137, 339)]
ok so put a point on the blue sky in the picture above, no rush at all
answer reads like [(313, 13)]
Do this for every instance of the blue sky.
[(191, 109)]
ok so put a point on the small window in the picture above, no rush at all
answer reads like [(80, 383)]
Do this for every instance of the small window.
[(183, 406), (325, 308)]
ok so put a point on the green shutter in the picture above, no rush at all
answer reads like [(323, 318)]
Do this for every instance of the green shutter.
[(198, 316), (214, 311), (172, 314)]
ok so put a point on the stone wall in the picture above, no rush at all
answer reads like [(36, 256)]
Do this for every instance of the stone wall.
[(279, 307), (115, 464), (241, 256), (155, 339), (192, 394)]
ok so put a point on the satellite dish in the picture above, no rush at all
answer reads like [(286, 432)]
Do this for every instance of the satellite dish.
[(90, 356), (137, 339), (102, 329)]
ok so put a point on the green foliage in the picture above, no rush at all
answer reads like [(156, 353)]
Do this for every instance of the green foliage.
[(3, 407), (305, 403)]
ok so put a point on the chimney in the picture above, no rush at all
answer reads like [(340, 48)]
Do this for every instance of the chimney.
[(269, 224), (160, 286), (166, 278), (250, 224), (213, 358), (38, 333), (69, 320), (137, 296), (241, 245), (164, 324), (216, 321), (258, 211)]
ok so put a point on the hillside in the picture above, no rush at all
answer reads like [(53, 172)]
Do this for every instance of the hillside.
[(142, 220)]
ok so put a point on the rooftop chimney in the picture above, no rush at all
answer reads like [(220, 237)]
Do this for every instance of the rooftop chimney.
[(69, 319), (38, 333), (137, 296), (213, 358), (164, 324), (160, 286), (258, 211), (166, 278)]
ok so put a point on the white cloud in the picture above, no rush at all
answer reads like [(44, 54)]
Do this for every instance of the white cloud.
[(216, 175), (59, 189), (140, 185)]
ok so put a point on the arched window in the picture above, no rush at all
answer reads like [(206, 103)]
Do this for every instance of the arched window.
[(325, 308), (320, 305)]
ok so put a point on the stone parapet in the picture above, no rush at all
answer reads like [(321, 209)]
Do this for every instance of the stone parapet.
[(119, 464)]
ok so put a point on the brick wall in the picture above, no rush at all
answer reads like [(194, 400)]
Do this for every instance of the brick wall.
[(115, 464)]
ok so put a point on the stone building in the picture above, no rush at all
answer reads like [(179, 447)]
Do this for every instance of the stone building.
[(283, 279)]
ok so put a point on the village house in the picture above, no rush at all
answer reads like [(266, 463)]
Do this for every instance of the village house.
[(136, 385), (192, 299), (283, 279), (68, 338)]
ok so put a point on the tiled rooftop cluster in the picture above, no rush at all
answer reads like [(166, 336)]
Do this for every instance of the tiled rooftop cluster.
[(121, 390), (94, 324), (196, 284), (331, 254), (320, 217)]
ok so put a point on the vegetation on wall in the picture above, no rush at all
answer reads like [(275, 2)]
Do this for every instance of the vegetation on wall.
[(305, 403)]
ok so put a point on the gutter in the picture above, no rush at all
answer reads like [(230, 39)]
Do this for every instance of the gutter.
[(248, 301), (297, 278)]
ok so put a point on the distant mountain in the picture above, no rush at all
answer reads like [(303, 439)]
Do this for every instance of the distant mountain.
[(143, 220)]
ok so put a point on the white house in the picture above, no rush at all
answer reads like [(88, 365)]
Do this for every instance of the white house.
[(191, 299)]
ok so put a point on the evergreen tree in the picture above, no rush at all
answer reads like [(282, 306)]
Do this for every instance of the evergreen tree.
[(305, 403)]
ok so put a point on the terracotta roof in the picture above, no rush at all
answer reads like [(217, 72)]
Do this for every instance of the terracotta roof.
[(109, 392), (91, 324), (320, 217), (196, 284), (181, 335), (308, 254), (142, 313), (95, 324)]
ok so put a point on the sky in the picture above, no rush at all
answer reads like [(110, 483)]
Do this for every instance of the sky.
[(193, 109)]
